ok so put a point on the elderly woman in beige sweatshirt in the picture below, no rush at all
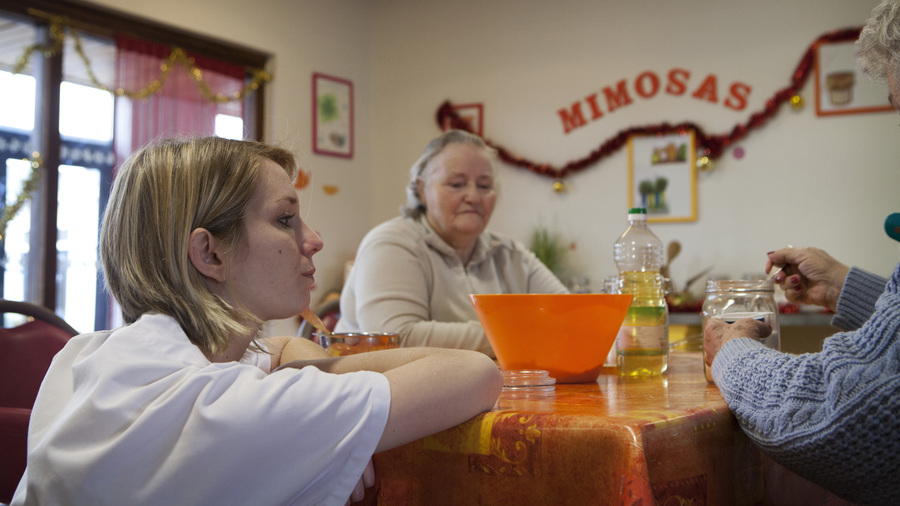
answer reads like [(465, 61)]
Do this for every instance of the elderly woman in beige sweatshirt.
[(413, 274)]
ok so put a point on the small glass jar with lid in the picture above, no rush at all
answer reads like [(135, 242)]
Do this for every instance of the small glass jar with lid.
[(731, 299)]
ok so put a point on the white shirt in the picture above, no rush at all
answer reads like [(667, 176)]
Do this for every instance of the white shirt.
[(140, 416)]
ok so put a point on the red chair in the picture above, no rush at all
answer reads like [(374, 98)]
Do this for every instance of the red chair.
[(25, 355)]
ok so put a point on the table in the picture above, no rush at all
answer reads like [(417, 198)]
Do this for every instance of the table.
[(668, 440)]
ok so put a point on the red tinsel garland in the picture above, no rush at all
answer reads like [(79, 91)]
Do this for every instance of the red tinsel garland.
[(712, 145)]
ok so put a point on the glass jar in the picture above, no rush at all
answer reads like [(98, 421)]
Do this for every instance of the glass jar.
[(732, 299), (530, 390)]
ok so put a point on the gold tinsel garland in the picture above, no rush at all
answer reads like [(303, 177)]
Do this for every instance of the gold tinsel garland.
[(59, 31), (28, 187)]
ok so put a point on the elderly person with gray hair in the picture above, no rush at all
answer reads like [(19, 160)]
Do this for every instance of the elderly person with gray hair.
[(831, 416), (413, 274)]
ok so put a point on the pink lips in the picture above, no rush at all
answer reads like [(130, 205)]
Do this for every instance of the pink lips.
[(311, 276)]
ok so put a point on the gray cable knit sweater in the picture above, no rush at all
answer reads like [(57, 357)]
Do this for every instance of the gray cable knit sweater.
[(833, 416)]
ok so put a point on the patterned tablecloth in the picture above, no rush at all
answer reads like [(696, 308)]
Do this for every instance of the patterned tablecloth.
[(667, 440)]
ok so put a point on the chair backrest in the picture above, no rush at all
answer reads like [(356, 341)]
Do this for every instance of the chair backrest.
[(14, 441), (26, 351), (25, 355)]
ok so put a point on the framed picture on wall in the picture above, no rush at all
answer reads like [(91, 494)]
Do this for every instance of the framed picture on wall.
[(332, 116), (840, 86), (662, 175), (472, 114)]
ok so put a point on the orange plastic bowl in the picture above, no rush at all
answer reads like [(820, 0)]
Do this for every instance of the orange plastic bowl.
[(567, 335)]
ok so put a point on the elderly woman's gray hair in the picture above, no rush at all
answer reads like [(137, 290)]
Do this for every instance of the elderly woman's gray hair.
[(423, 168), (879, 42)]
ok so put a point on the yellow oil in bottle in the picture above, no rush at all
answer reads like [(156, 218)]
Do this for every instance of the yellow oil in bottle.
[(642, 347)]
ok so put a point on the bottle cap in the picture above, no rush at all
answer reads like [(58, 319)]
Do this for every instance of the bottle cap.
[(637, 214)]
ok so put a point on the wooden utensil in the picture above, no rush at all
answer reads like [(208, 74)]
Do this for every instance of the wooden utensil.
[(315, 321), (673, 250)]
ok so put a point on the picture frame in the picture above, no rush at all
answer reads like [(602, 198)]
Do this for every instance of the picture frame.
[(472, 114), (662, 175), (840, 86), (332, 105)]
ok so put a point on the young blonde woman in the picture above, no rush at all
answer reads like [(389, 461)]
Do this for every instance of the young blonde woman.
[(201, 243)]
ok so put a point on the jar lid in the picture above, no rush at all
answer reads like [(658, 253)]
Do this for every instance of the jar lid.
[(527, 378), (739, 285)]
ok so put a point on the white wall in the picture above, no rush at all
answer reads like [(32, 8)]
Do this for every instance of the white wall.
[(805, 180)]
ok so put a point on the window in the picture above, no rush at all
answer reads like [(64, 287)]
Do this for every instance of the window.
[(84, 174), (49, 250)]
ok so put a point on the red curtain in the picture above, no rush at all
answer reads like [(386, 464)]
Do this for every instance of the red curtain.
[(179, 108)]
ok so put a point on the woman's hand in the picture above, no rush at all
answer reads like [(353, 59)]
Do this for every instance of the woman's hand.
[(810, 276), (718, 332)]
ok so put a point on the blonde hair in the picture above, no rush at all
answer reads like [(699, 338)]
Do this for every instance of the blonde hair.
[(161, 194), (422, 169), (879, 41)]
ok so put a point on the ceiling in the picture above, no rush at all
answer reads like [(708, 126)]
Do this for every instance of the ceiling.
[(17, 37)]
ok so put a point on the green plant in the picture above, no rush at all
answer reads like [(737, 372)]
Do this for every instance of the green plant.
[(549, 248)]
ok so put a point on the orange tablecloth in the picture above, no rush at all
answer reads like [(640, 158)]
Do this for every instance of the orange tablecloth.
[(669, 440)]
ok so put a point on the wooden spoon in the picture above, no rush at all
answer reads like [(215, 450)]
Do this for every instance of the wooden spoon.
[(315, 321), (672, 252)]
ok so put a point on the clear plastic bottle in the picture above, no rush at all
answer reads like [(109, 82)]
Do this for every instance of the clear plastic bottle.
[(642, 346)]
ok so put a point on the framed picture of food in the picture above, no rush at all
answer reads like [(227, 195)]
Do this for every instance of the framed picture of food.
[(841, 88)]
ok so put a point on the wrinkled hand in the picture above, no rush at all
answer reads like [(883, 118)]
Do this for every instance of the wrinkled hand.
[(365, 481), (718, 332), (810, 276)]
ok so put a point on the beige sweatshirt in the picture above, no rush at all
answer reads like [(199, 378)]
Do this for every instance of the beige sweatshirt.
[(406, 279)]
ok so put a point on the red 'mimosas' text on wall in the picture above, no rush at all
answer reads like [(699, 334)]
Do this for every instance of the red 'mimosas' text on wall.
[(647, 85)]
